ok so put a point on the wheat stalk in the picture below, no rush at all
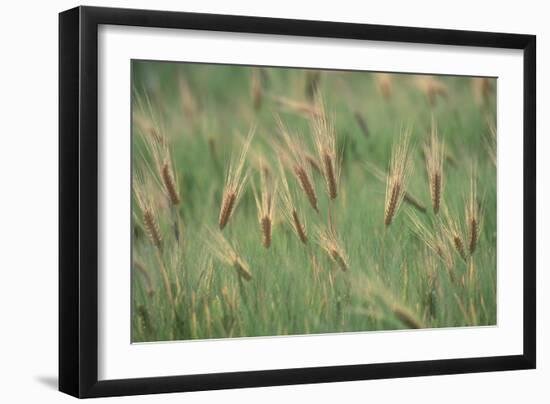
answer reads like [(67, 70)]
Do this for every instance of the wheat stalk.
[(433, 239), (289, 208), (148, 119), (152, 228), (400, 169), (304, 108), (378, 293), (166, 177), (295, 157), (304, 179), (435, 154), (234, 183), (265, 206), (149, 284), (158, 148), (312, 161), (146, 126), (330, 243), (142, 192), (170, 183), (225, 253), (459, 245), (491, 142), (324, 136), (453, 231), (409, 198), (406, 317), (473, 215)]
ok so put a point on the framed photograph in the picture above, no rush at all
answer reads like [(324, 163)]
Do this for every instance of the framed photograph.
[(251, 201)]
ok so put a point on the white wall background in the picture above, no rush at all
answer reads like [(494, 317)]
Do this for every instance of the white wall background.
[(28, 201)]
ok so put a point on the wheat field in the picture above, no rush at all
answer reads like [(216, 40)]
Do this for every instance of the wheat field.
[(283, 201)]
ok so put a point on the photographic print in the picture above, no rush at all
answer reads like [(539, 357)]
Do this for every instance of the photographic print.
[(272, 201)]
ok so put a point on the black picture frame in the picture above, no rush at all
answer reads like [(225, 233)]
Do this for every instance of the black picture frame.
[(78, 201)]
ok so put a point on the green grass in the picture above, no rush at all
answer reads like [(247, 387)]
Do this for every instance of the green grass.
[(389, 267)]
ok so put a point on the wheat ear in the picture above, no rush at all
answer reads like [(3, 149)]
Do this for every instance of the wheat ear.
[(296, 158), (227, 254), (330, 243), (409, 198), (435, 154), (400, 169), (473, 215), (324, 136), (142, 192), (234, 183), (265, 204), (290, 209)]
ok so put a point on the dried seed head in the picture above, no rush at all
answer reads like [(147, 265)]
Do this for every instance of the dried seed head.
[(147, 119), (142, 191), (459, 245), (398, 176), (406, 317), (415, 203), (329, 242), (304, 108), (312, 162), (296, 158), (453, 232), (158, 147), (408, 197), (391, 203), (289, 208), (472, 243), (324, 136), (435, 154), (242, 268), (435, 190), (226, 253), (307, 185), (298, 227), (265, 224), (169, 183), (434, 239), (152, 228), (330, 175), (491, 143), (226, 210), (473, 215), (234, 183), (149, 283), (146, 127), (265, 205)]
